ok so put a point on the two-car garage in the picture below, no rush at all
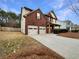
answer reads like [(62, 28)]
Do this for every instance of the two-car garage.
[(33, 22), (32, 30)]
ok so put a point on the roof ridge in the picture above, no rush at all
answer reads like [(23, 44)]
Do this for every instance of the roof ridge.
[(28, 8), (32, 11)]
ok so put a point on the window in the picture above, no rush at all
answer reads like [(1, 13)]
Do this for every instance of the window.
[(49, 19), (38, 15), (54, 21)]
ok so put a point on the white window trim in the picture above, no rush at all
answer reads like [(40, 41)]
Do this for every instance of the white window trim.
[(49, 18), (38, 15)]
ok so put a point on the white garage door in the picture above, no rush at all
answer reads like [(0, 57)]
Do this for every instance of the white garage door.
[(32, 30), (42, 30)]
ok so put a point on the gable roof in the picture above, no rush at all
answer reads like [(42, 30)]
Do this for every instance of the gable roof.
[(48, 15), (53, 14), (28, 9), (33, 12)]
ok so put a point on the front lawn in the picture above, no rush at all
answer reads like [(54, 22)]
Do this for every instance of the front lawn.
[(15, 45)]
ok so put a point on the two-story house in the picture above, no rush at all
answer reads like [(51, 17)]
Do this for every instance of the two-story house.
[(35, 22)]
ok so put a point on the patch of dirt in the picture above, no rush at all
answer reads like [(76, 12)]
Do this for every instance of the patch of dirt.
[(70, 35)]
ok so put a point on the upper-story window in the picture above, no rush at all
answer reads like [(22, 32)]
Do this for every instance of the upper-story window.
[(54, 21), (38, 16), (49, 18)]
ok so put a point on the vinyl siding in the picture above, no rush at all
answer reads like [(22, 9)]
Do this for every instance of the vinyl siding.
[(23, 12)]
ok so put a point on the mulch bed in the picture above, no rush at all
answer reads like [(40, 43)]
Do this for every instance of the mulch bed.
[(70, 35)]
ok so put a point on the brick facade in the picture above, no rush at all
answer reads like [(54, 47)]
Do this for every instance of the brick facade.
[(45, 23), (31, 19)]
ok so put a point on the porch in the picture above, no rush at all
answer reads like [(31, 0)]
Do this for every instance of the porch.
[(51, 27)]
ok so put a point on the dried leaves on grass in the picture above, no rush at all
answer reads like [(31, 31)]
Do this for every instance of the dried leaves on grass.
[(14, 45), (34, 52)]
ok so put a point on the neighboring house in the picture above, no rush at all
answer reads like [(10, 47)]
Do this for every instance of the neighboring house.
[(75, 28), (35, 22), (62, 25), (67, 25)]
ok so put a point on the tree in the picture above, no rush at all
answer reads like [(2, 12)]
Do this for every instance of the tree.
[(18, 20), (75, 7), (9, 19), (3, 17), (12, 15), (14, 20)]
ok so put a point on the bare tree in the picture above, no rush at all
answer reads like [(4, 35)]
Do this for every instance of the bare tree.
[(74, 7)]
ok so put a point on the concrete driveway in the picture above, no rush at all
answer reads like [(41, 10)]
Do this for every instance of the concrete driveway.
[(66, 47)]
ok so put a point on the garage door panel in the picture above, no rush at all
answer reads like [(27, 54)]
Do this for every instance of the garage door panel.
[(42, 30), (32, 29)]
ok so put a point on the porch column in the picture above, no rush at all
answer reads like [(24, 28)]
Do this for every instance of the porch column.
[(59, 27), (49, 28), (38, 29)]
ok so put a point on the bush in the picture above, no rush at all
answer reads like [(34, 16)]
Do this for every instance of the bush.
[(56, 31)]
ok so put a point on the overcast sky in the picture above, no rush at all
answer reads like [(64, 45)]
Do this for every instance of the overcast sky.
[(60, 7)]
